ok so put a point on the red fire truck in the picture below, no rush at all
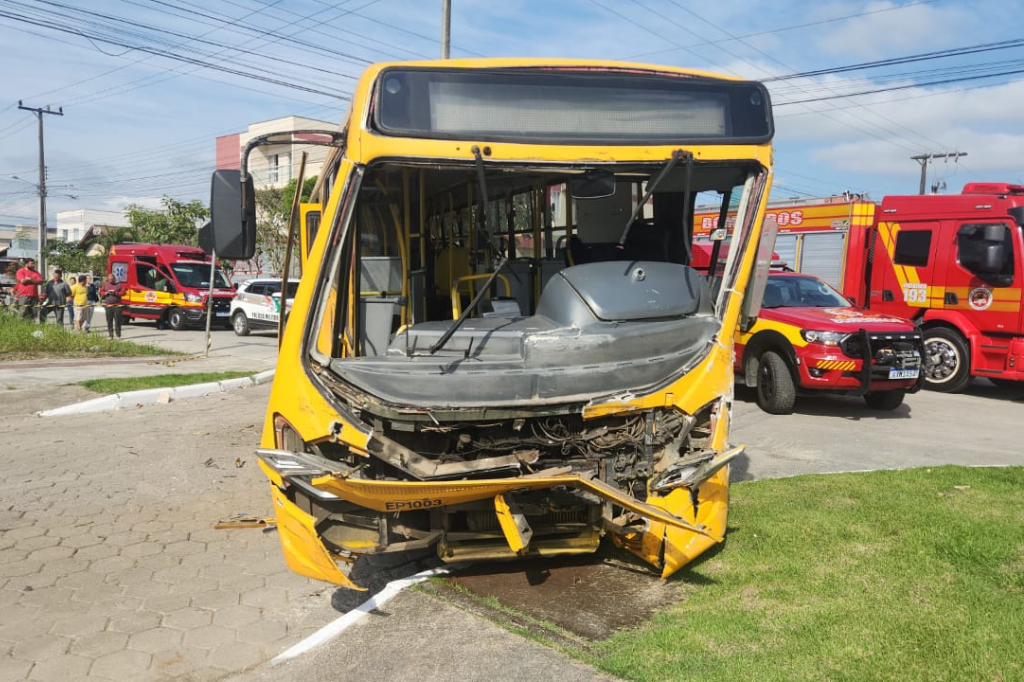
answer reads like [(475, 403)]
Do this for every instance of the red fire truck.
[(951, 263)]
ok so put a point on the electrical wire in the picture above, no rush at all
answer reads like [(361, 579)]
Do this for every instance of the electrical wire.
[(793, 27)]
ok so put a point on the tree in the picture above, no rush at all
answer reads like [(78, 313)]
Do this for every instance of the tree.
[(288, 194), (273, 208), (106, 239), (177, 223), (68, 256), (270, 230)]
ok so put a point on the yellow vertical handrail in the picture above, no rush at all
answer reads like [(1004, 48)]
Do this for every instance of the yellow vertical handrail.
[(471, 279)]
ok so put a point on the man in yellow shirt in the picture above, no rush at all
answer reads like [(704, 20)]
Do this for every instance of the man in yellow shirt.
[(80, 298)]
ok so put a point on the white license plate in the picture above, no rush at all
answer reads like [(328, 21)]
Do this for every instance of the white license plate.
[(903, 373), (220, 314)]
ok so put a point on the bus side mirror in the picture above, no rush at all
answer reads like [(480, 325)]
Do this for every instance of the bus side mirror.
[(231, 232)]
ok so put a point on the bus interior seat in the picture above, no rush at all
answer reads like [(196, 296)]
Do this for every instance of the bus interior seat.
[(520, 274), (451, 262), (647, 241), (575, 253), (594, 252)]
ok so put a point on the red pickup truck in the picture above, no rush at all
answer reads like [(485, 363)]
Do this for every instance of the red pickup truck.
[(808, 337)]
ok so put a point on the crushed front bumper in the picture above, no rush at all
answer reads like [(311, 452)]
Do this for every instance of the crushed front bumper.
[(327, 516)]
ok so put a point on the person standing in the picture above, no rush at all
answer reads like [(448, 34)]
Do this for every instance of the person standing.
[(26, 291), (92, 301), (71, 303), (58, 294), (111, 292), (80, 298)]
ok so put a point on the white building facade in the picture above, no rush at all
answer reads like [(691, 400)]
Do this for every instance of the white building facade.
[(72, 226), (274, 166)]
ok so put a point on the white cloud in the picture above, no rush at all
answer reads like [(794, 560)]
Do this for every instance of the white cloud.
[(915, 27), (915, 115), (120, 203)]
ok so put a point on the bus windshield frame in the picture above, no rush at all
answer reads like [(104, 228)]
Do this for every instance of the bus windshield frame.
[(576, 107)]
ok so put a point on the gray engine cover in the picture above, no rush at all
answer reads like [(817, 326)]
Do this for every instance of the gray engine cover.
[(600, 328)]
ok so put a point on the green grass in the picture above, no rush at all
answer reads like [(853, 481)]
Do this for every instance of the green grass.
[(123, 384), (18, 342), (913, 575)]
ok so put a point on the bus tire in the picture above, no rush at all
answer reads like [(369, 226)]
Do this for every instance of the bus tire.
[(947, 360), (175, 319), (884, 400), (776, 392)]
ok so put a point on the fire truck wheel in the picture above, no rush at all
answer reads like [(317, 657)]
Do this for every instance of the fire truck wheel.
[(947, 360), (240, 324), (175, 320), (884, 400), (776, 393)]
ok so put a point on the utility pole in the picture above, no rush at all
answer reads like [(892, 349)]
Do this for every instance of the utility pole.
[(41, 259), (924, 158), (446, 28)]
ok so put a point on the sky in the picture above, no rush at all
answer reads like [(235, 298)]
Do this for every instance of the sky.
[(146, 86)]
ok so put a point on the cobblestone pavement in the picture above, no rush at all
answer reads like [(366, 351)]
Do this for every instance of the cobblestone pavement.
[(109, 566)]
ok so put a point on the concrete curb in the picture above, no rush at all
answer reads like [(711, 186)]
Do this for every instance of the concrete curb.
[(153, 396)]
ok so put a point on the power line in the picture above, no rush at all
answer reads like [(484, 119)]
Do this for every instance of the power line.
[(793, 27), (923, 160), (770, 57), (169, 53), (657, 35), (431, 39), (155, 79), (908, 59), (873, 91)]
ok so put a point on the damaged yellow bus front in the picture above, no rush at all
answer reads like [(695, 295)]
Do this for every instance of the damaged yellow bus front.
[(499, 348)]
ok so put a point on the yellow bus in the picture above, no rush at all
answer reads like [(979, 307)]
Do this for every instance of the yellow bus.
[(498, 348)]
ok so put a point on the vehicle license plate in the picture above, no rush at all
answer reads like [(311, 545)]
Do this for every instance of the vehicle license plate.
[(904, 373)]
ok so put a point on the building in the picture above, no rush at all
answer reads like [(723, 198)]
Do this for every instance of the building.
[(74, 226), (22, 241), (274, 166)]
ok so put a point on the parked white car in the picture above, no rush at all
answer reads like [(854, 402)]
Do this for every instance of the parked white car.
[(257, 304)]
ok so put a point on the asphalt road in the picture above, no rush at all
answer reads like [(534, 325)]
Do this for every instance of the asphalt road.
[(109, 568), (981, 427)]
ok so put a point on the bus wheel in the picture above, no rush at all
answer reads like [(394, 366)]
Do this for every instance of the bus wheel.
[(947, 360), (884, 400), (175, 320), (776, 393)]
